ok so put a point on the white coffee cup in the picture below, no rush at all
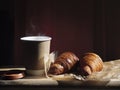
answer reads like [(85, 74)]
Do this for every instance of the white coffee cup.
[(35, 48)]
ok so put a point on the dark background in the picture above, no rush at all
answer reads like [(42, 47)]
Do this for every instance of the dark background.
[(6, 32), (75, 25)]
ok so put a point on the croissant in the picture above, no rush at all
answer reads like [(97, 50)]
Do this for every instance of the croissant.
[(90, 63), (63, 63)]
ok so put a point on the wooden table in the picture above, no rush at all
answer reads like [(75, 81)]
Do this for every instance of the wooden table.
[(107, 78)]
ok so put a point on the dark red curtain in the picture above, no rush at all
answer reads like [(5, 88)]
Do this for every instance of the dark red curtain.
[(68, 22), (106, 31), (75, 25)]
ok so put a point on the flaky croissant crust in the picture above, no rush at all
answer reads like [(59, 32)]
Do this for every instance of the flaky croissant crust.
[(90, 63), (63, 63)]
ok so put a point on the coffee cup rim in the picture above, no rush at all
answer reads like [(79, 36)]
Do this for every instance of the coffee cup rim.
[(35, 38)]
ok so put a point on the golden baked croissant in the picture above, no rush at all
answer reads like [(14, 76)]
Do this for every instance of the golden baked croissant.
[(90, 63), (64, 63)]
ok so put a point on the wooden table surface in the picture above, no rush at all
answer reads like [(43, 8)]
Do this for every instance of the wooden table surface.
[(109, 76)]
